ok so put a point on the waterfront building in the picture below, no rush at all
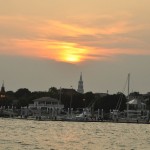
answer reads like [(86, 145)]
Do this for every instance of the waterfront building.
[(136, 108), (46, 102), (43, 107), (80, 85)]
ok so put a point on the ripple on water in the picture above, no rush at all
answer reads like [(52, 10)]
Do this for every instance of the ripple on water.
[(49, 135)]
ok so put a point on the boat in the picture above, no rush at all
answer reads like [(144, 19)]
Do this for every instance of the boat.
[(136, 110)]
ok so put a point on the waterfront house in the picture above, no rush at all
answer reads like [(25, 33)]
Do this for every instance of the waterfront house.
[(46, 102), (136, 109), (43, 107)]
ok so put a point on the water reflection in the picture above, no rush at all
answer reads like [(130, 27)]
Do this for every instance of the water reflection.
[(49, 135)]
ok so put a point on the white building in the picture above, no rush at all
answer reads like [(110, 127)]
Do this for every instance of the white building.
[(44, 107), (46, 102), (136, 109)]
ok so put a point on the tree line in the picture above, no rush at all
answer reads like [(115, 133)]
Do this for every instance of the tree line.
[(23, 97)]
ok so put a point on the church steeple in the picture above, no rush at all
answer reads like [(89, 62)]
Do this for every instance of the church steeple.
[(81, 77), (80, 85), (2, 92)]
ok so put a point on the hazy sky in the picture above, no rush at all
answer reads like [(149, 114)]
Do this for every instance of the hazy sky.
[(45, 43)]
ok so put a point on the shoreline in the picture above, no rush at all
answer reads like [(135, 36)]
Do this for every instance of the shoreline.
[(88, 121)]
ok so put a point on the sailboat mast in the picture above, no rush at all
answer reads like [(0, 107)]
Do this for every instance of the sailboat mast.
[(128, 85), (60, 96)]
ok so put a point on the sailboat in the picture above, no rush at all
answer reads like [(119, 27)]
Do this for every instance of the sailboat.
[(136, 109)]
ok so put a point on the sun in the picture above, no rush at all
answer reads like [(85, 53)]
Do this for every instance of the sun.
[(67, 52), (71, 53), (73, 58)]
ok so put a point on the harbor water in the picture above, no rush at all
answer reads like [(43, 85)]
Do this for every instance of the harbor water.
[(19, 134)]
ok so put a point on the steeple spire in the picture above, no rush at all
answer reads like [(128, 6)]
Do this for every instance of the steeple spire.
[(3, 88), (81, 77), (3, 84), (2, 92), (80, 85)]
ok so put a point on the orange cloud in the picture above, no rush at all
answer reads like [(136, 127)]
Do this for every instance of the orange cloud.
[(59, 51), (68, 41)]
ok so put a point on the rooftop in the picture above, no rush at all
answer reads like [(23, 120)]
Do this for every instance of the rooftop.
[(45, 99)]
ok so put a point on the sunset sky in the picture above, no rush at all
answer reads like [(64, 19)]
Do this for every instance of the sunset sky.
[(45, 43)]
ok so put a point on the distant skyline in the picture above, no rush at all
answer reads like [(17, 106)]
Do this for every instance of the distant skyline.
[(49, 43)]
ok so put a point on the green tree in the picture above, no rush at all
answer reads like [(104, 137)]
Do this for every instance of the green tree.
[(53, 92), (89, 99), (116, 101), (23, 96)]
